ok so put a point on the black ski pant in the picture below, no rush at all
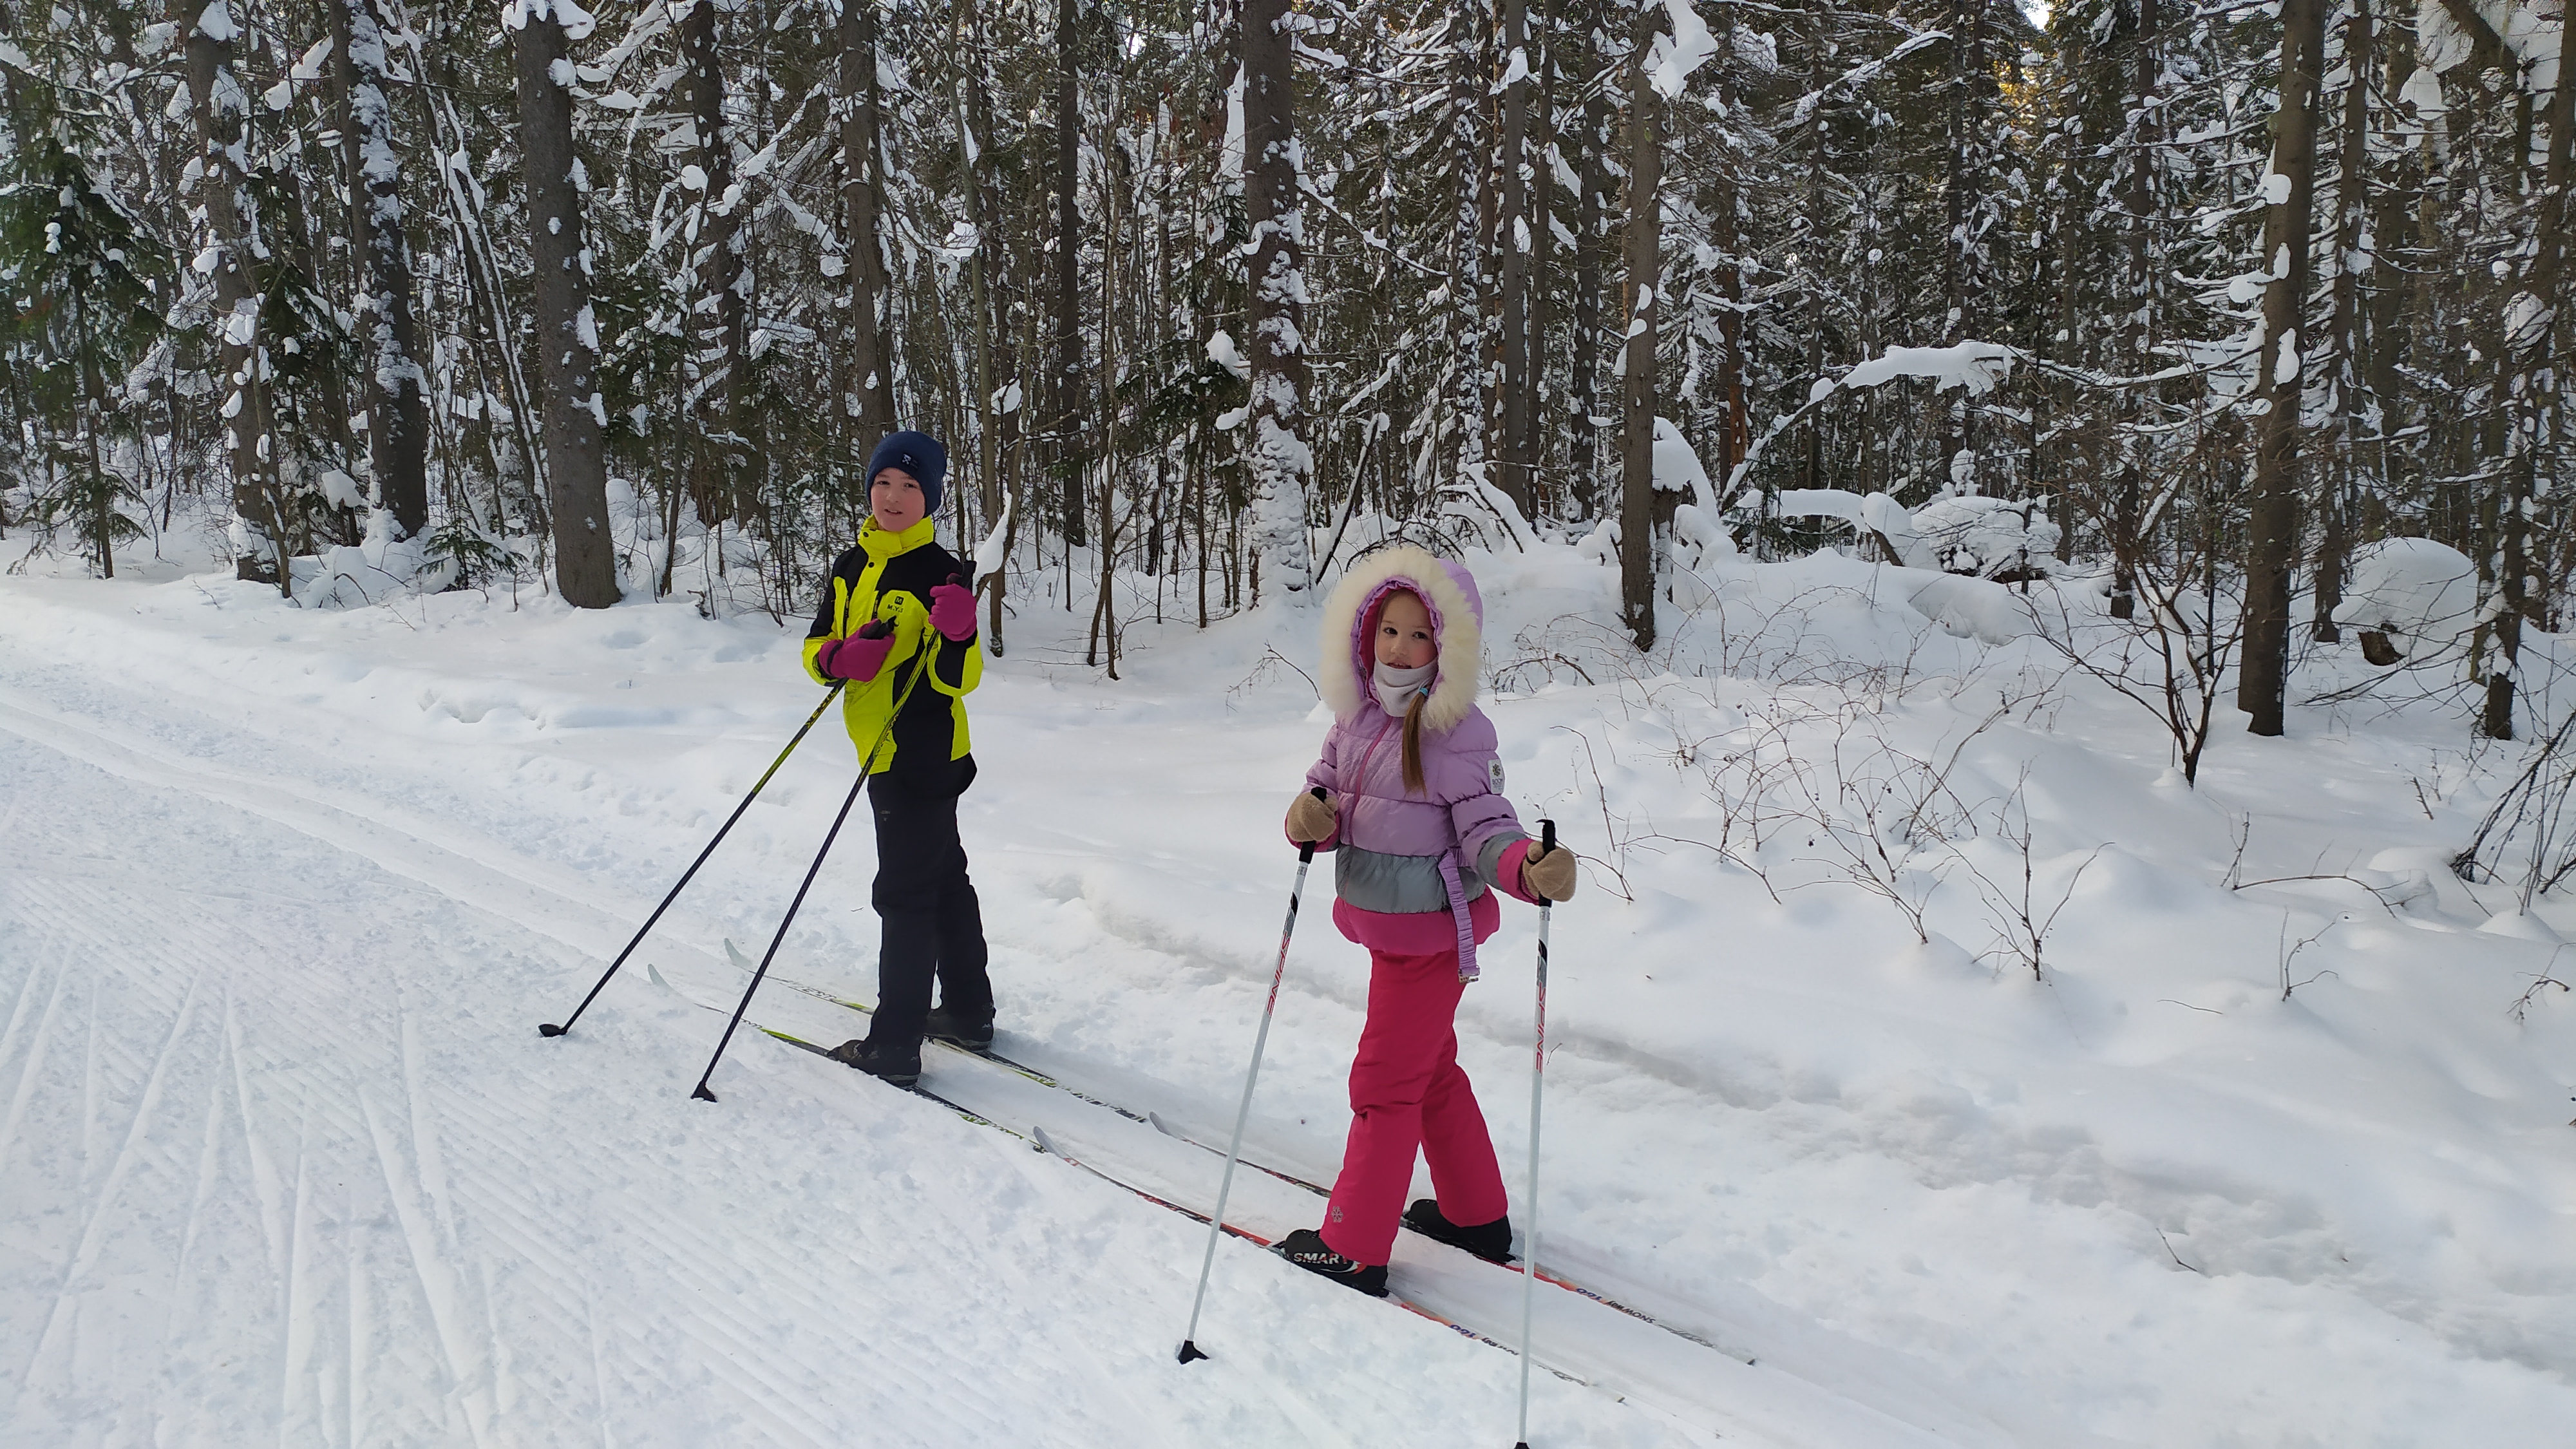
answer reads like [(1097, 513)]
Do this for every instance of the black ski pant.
[(933, 927)]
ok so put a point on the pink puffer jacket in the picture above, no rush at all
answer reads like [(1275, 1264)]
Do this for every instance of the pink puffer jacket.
[(1412, 871)]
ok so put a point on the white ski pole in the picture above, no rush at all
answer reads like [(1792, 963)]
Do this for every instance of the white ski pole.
[(1538, 1079), (1233, 1149)]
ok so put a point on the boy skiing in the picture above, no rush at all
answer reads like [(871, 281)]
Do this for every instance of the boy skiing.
[(898, 623)]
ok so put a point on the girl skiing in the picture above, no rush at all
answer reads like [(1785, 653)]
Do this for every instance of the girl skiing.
[(1419, 830), (898, 623)]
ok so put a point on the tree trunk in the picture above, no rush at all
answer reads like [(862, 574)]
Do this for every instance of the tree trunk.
[(567, 332), (1513, 463), (1819, 223), (1645, 305), (1726, 201), (862, 203), (1963, 272), (1468, 82), (1276, 459), (716, 328), (2141, 284), (1541, 149), (2531, 330), (2273, 514), (221, 106), (1064, 378), (974, 139), (2352, 198), (1591, 238), (397, 407)]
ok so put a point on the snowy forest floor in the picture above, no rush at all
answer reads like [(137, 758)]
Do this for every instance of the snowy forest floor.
[(284, 894)]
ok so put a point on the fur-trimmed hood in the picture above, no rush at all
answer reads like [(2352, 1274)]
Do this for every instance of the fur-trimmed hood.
[(1457, 623)]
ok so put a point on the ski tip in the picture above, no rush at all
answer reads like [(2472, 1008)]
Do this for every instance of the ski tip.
[(1190, 1353), (548, 1028), (734, 954), (1156, 1118), (1046, 1144)]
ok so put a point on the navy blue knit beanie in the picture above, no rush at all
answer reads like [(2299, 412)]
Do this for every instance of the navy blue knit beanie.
[(918, 454)]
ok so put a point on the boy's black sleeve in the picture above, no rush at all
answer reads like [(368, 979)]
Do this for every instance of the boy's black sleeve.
[(823, 619)]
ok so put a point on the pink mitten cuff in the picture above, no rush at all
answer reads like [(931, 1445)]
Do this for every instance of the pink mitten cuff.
[(1507, 869)]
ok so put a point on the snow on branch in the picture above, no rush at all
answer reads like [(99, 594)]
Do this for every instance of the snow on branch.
[(1671, 59), (1976, 366), (1862, 75)]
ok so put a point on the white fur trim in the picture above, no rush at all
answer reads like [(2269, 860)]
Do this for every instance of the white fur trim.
[(1453, 696)]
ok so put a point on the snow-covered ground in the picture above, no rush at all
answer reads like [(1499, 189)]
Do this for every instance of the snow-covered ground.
[(283, 1159)]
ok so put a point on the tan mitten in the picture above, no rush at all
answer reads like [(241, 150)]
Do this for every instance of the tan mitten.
[(1550, 876), (1309, 819)]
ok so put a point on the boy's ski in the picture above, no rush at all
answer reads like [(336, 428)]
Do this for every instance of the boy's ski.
[(1155, 1120), (743, 963), (801, 1043), (1038, 1138)]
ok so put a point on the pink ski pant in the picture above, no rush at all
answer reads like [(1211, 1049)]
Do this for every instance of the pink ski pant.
[(1408, 1095)]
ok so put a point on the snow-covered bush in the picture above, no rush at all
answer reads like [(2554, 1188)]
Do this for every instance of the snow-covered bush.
[(1677, 468), (2421, 594), (1993, 538), (353, 576), (1971, 608), (1875, 515)]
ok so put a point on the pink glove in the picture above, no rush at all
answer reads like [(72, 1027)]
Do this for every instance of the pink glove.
[(952, 612), (857, 657)]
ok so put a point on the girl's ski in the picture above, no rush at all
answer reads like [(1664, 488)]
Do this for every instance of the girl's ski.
[(1047, 1145), (1155, 1120)]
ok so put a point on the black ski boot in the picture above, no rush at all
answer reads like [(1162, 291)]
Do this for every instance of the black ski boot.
[(973, 1035), (1305, 1248), (898, 1065), (1489, 1241)]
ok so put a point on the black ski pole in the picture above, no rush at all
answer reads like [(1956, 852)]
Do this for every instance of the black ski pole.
[(549, 1028), (866, 766), (857, 785), (1234, 1149)]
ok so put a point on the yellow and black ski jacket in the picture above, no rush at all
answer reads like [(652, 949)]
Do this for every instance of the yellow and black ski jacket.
[(889, 576)]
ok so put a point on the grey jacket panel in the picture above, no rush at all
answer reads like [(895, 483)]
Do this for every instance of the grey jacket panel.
[(1375, 881)]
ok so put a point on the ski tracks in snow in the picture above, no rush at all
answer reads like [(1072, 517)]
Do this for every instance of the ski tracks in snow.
[(285, 1165), (202, 1153), (305, 1143)]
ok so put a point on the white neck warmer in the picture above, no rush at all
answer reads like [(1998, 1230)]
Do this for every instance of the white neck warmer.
[(1397, 687)]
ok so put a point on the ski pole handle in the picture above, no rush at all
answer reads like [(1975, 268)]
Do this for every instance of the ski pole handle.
[(1547, 837), (1306, 851)]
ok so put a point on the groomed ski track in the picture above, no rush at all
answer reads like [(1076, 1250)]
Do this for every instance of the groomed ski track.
[(327, 1185)]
